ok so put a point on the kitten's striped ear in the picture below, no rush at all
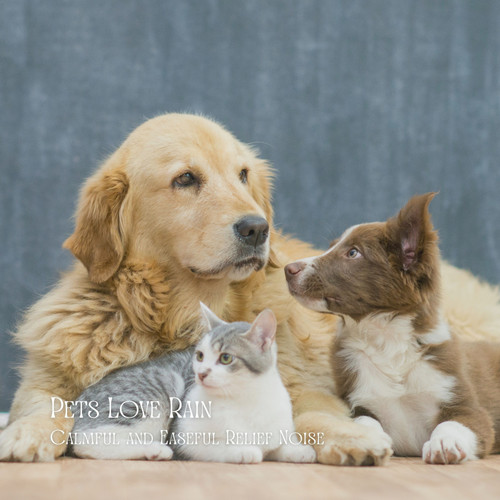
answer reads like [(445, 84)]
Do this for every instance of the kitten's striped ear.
[(263, 330), (209, 320)]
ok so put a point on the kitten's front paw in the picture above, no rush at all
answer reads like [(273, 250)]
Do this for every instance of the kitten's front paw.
[(354, 444), (295, 453), (158, 451), (304, 454), (450, 443), (250, 455)]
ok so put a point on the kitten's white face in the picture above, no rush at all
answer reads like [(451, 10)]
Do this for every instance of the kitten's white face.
[(231, 355)]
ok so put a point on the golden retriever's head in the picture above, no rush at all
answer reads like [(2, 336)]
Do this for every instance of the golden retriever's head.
[(180, 190)]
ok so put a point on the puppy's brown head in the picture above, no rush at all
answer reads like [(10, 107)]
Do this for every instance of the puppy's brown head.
[(390, 266), (181, 191)]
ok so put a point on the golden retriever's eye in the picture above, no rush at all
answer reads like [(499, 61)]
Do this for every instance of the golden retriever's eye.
[(244, 175), (185, 180)]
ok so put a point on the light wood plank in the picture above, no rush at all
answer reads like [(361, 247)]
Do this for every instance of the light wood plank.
[(403, 478)]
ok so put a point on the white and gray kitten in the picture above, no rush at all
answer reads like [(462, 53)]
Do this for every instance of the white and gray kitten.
[(232, 370)]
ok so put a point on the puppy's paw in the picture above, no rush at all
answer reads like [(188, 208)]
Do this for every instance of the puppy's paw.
[(355, 444), (29, 440), (450, 443), (158, 451)]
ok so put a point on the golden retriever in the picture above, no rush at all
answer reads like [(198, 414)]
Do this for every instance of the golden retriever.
[(181, 213)]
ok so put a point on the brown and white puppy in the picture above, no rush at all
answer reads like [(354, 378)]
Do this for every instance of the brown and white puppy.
[(395, 359)]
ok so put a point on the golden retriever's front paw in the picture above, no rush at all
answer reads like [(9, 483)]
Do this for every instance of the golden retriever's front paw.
[(354, 444), (29, 440)]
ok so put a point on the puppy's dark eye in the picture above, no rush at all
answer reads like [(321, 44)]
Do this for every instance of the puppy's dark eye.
[(199, 356), (185, 180), (353, 253), (244, 175)]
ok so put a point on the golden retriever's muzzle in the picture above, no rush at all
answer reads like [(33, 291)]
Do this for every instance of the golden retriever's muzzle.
[(251, 251), (252, 230)]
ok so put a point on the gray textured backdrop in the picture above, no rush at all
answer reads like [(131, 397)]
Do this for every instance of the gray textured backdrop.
[(358, 104)]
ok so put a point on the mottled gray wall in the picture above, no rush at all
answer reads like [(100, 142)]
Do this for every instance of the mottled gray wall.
[(358, 104)]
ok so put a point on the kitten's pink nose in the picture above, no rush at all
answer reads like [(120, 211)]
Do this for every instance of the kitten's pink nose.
[(294, 268), (203, 375)]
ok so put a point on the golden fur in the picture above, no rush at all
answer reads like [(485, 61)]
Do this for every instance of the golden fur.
[(134, 294)]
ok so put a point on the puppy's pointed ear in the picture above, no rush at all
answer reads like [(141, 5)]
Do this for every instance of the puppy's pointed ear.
[(97, 241), (412, 229), (209, 319), (263, 330)]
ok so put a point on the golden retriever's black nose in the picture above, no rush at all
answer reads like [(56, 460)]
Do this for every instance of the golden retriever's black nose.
[(294, 268), (252, 230)]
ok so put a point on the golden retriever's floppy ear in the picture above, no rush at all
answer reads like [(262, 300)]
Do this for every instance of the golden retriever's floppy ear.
[(97, 241)]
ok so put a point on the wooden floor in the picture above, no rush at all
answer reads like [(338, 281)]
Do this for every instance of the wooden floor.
[(402, 479)]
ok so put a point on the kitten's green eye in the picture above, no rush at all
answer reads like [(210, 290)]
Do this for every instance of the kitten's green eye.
[(225, 358), (199, 356)]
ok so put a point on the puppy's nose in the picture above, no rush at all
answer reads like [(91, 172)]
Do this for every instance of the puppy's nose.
[(294, 268), (252, 230)]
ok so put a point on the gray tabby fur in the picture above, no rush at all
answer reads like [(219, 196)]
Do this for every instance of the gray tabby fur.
[(230, 338), (158, 379)]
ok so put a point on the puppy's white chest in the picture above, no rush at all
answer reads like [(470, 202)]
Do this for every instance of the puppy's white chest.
[(394, 381)]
